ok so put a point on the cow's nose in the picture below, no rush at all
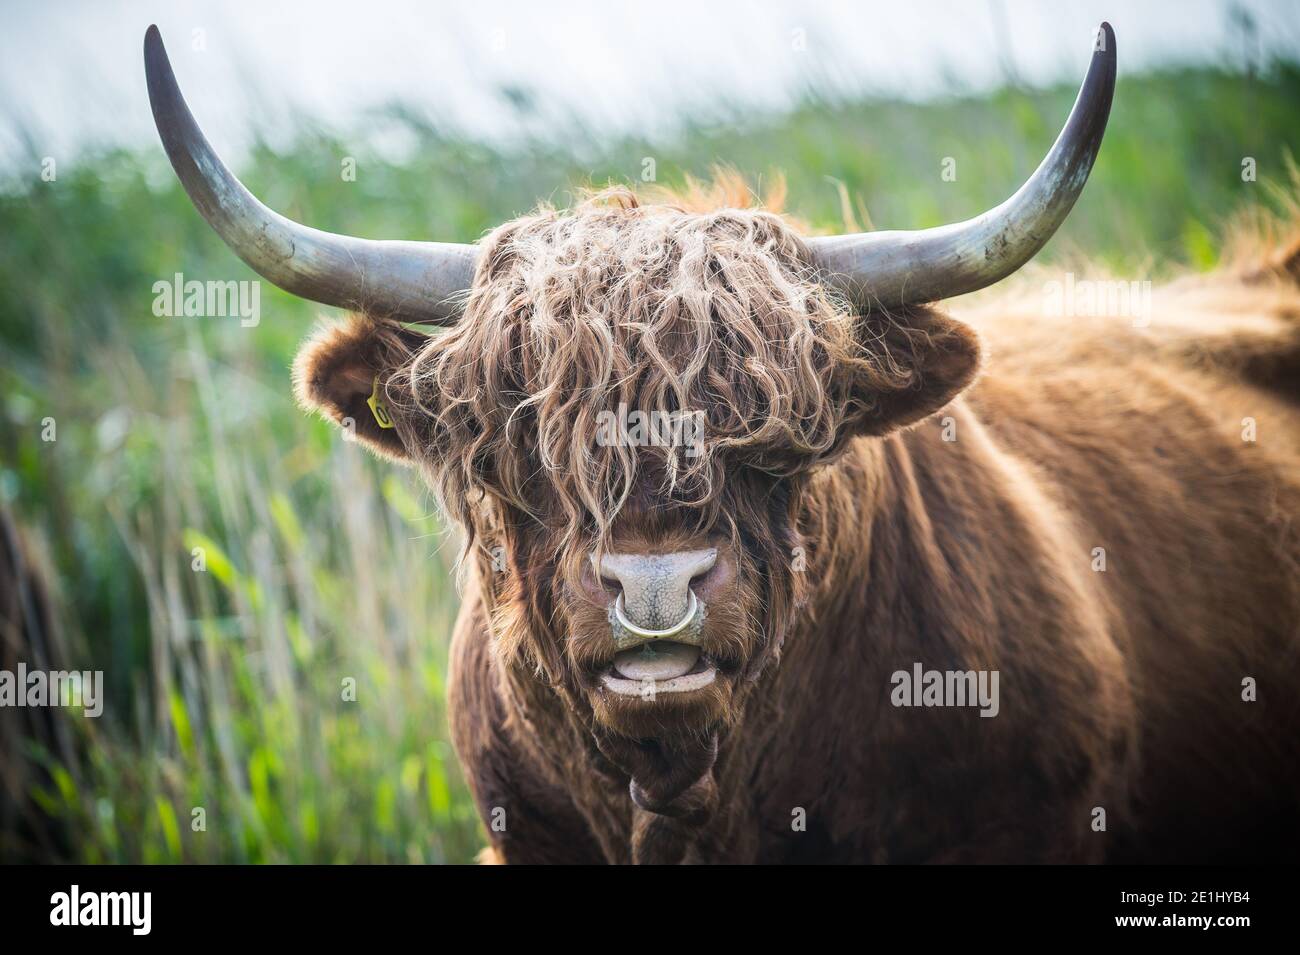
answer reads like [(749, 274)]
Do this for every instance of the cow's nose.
[(656, 588)]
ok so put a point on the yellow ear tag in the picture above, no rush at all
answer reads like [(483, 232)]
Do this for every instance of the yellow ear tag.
[(378, 408)]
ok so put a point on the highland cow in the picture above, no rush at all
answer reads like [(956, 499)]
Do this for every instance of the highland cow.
[(673, 657)]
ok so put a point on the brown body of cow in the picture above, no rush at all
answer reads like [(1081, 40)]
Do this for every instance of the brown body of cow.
[(1122, 687)]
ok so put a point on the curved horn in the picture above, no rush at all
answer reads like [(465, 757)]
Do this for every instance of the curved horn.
[(415, 281), (898, 268)]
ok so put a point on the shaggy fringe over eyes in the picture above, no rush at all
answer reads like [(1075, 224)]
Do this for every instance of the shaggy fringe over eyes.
[(652, 308)]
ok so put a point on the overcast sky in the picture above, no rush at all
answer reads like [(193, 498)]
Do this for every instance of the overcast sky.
[(71, 72)]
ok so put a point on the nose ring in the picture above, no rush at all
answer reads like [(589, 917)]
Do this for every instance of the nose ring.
[(628, 625)]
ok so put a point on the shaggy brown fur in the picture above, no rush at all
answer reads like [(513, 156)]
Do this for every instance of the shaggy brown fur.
[(863, 542)]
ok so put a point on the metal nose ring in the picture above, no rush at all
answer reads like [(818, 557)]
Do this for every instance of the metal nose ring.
[(628, 625)]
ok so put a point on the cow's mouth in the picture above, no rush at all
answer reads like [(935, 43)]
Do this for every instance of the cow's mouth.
[(661, 666)]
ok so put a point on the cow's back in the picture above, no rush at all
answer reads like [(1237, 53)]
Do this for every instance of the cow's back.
[(1176, 447)]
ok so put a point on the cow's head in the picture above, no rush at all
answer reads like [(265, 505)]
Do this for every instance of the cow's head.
[(625, 418), (630, 401)]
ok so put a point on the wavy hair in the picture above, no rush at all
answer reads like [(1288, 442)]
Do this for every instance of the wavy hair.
[(649, 306)]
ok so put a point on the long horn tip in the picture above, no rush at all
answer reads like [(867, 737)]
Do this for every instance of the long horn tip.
[(152, 41), (1100, 80), (156, 64), (1103, 43), (928, 265)]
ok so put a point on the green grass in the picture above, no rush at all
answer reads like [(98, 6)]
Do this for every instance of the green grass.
[(226, 684)]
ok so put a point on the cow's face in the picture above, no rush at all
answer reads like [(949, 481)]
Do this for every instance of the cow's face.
[(665, 625), (626, 421)]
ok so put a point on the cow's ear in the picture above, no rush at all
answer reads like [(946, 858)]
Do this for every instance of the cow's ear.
[(342, 371), (939, 356)]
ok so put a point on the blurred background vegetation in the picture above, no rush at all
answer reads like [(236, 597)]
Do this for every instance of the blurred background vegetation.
[(225, 685)]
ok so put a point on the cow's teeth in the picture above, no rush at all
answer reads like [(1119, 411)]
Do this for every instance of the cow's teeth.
[(648, 688)]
